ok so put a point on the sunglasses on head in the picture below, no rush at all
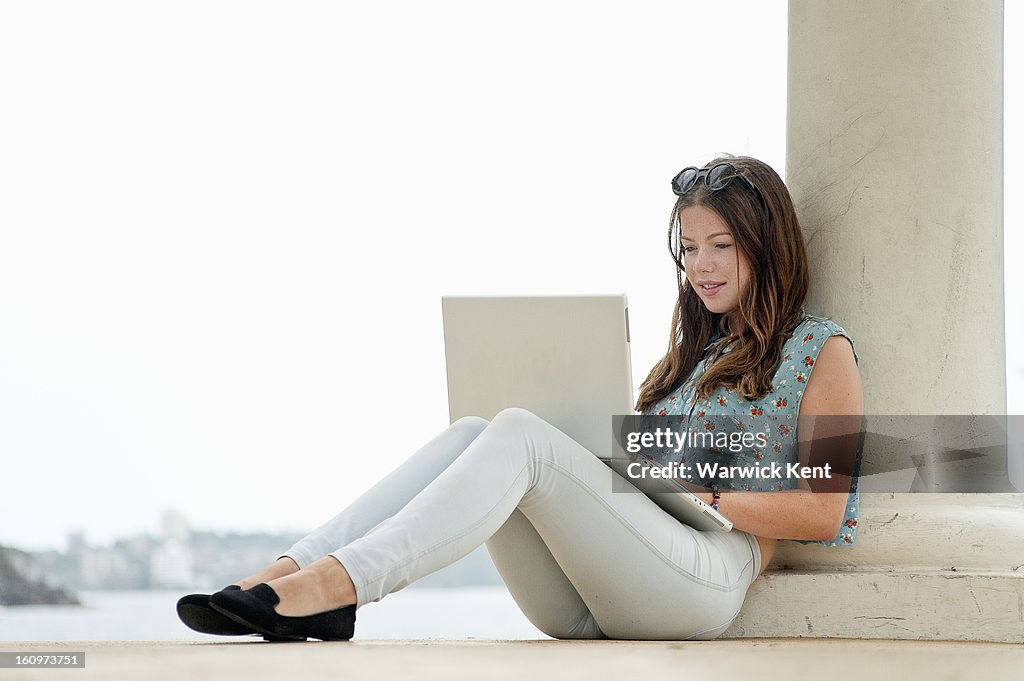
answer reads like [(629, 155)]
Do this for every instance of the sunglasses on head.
[(717, 177)]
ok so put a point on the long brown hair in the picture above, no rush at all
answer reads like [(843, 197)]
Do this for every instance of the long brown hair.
[(767, 232)]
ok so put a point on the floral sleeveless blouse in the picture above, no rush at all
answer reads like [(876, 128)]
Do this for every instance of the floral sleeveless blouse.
[(775, 414)]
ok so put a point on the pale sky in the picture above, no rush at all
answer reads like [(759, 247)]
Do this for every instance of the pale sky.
[(225, 227)]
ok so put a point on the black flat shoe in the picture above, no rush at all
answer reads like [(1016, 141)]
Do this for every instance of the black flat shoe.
[(195, 613), (255, 608)]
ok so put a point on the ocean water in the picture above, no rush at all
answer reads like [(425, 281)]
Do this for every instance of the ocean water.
[(480, 613)]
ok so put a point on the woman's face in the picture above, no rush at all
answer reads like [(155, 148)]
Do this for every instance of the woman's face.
[(715, 268)]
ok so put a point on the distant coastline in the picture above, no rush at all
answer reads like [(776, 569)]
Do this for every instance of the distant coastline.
[(16, 588), (180, 558)]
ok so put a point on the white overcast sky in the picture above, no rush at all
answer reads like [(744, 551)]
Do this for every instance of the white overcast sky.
[(225, 227)]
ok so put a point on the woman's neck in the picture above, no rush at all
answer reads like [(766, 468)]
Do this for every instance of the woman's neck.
[(731, 323)]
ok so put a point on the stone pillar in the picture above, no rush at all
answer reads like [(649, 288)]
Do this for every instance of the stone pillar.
[(894, 159)]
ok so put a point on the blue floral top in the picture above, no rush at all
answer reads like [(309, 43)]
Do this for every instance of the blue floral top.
[(775, 414)]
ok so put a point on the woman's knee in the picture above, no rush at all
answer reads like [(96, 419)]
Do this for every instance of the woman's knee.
[(515, 418), (470, 426)]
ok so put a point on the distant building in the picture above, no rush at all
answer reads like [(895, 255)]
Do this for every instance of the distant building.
[(170, 566), (174, 527)]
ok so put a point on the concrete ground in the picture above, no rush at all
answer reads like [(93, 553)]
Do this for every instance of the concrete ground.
[(444, 660)]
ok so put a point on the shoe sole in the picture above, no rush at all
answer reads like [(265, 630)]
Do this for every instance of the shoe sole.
[(268, 635), (207, 621)]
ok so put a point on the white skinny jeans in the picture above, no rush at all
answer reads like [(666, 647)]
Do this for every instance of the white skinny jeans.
[(580, 560)]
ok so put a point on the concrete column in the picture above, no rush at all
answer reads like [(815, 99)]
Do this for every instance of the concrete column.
[(894, 159)]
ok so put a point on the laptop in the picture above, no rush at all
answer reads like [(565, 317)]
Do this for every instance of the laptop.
[(567, 360)]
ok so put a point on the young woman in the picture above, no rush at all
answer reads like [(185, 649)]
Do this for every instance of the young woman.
[(581, 561)]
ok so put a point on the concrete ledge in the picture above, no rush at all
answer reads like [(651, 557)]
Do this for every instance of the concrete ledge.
[(924, 532), (925, 566), (953, 606), (442, 660)]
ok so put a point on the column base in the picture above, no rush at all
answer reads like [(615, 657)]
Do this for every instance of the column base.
[(953, 606), (924, 566)]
